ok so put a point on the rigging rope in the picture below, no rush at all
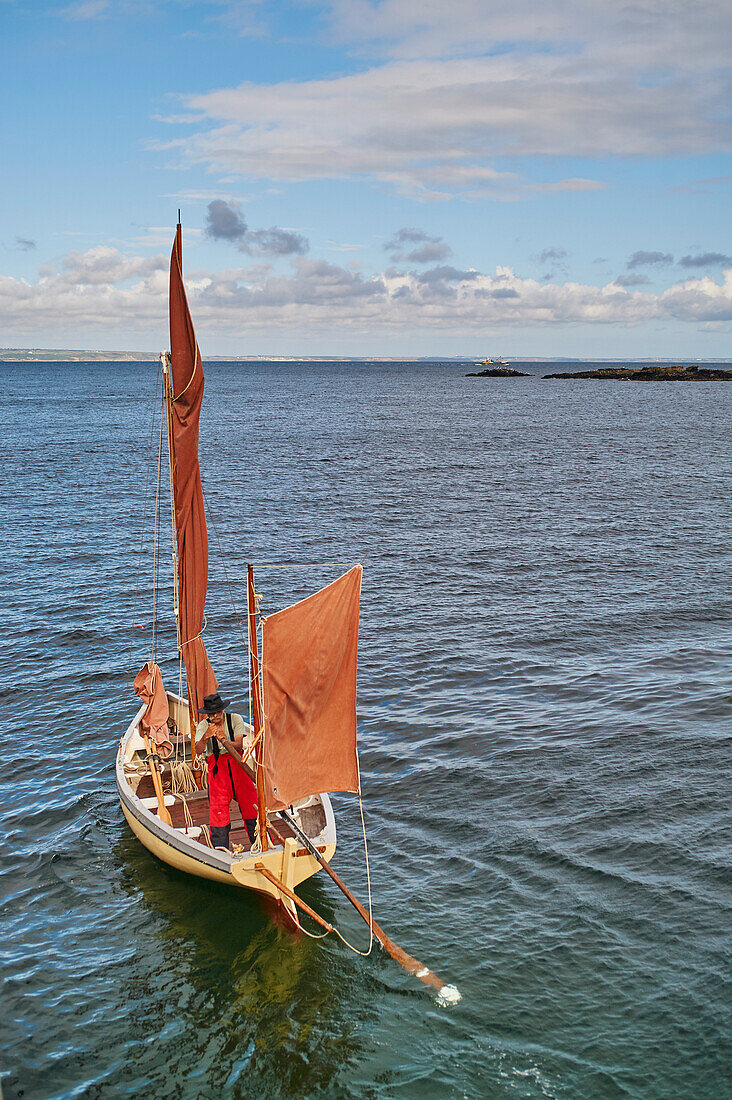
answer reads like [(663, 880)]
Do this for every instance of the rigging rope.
[(181, 777), (143, 520), (235, 609)]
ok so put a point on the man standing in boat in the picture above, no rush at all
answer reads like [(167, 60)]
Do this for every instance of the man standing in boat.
[(227, 780)]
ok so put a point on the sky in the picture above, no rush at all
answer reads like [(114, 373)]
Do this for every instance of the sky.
[(369, 177)]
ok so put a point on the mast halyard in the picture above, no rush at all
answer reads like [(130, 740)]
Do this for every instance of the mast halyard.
[(257, 717)]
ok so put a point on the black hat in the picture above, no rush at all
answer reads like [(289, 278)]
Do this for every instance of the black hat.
[(213, 704)]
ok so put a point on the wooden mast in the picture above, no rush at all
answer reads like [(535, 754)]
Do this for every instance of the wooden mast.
[(256, 705)]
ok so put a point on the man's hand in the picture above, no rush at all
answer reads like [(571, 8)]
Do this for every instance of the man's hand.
[(216, 727)]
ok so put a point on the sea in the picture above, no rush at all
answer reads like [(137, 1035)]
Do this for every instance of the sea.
[(543, 718)]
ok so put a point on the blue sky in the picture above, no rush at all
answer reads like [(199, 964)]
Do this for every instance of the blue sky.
[(369, 177)]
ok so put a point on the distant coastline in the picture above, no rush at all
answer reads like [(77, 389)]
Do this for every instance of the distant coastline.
[(65, 355)]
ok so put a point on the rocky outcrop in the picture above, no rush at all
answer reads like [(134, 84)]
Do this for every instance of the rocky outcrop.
[(652, 373), (498, 372)]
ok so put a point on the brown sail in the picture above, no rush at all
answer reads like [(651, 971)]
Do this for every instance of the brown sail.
[(309, 654), (190, 517), (154, 722)]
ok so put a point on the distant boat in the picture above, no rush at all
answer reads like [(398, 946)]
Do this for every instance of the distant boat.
[(302, 740), (499, 362)]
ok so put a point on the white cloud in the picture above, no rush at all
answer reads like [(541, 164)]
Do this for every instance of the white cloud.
[(435, 127), (656, 35), (469, 82), (87, 9), (699, 299), (126, 297), (100, 266)]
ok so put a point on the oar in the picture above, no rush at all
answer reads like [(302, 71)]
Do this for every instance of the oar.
[(228, 746), (152, 763), (448, 994)]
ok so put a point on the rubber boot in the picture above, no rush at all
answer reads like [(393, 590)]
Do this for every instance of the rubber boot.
[(220, 835)]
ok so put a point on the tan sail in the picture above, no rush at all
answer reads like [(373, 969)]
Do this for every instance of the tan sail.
[(309, 655)]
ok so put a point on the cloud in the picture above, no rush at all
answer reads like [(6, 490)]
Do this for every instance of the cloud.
[(707, 259), (104, 291), (428, 129), (100, 267), (552, 254), (447, 274), (87, 9), (25, 244), (428, 249), (644, 259), (460, 87), (699, 300), (428, 253), (653, 34), (275, 242), (701, 187), (632, 280), (225, 222), (243, 19)]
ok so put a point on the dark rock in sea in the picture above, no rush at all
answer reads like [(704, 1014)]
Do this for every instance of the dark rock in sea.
[(652, 374), (498, 372)]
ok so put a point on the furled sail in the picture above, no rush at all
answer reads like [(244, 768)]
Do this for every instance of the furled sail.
[(154, 722), (190, 517), (309, 654)]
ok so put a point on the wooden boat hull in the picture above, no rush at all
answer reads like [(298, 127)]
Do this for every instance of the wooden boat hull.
[(288, 862)]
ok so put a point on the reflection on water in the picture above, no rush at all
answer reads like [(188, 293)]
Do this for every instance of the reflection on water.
[(273, 1002)]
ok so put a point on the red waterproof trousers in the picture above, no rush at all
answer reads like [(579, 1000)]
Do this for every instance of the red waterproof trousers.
[(230, 782)]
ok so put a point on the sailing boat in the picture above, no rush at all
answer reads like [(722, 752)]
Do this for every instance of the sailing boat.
[(301, 743)]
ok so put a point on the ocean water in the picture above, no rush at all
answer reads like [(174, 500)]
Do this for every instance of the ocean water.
[(544, 726)]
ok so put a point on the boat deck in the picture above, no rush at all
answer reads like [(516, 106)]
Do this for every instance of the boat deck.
[(312, 818)]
